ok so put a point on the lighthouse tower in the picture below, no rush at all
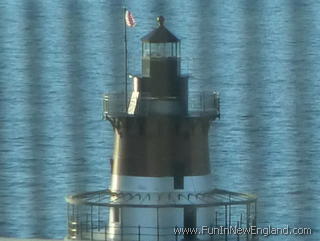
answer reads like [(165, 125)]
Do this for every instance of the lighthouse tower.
[(160, 171), (159, 145), (161, 149)]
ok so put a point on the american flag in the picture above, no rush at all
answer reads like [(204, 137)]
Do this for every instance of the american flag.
[(130, 21)]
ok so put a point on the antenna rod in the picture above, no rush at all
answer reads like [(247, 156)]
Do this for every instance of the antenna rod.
[(125, 60)]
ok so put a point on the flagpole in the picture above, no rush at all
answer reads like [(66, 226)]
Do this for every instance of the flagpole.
[(126, 59)]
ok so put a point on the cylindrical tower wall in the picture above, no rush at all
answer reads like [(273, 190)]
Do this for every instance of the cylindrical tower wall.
[(161, 147)]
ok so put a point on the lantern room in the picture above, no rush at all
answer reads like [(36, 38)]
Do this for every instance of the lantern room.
[(160, 43), (160, 51)]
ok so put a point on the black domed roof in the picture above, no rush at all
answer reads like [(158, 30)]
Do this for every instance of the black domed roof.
[(160, 34)]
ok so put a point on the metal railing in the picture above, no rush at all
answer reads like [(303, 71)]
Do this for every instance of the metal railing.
[(204, 103), (80, 231), (199, 104), (89, 217)]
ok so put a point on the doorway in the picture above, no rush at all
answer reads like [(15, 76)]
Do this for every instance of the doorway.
[(190, 222)]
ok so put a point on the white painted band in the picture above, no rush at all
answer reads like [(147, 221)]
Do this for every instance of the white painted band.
[(194, 184)]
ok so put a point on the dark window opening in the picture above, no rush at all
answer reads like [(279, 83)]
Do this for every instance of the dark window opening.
[(178, 182), (190, 220), (116, 214)]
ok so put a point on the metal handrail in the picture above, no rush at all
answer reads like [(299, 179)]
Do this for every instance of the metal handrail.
[(119, 231), (199, 103), (80, 199)]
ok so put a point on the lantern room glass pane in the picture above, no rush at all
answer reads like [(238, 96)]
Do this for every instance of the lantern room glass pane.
[(146, 49), (168, 49), (161, 50), (174, 49)]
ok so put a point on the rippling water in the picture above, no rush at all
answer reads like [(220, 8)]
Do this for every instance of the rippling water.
[(57, 58)]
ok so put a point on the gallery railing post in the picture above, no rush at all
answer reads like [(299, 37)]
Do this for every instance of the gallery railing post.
[(158, 224), (91, 223), (176, 233), (226, 220), (121, 221)]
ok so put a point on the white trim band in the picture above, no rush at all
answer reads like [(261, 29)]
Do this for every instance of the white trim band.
[(160, 184)]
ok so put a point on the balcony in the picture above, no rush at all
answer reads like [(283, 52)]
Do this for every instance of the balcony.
[(89, 215), (205, 104)]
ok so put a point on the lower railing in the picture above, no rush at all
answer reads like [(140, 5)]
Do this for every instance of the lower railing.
[(96, 216), (101, 231)]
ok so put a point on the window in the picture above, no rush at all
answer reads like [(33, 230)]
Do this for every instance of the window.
[(178, 182), (189, 220), (116, 214), (160, 50), (146, 49)]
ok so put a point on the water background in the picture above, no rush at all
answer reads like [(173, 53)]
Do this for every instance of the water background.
[(58, 57)]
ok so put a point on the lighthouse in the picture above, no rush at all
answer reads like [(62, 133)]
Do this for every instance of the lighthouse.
[(160, 168), (159, 145), (161, 150)]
